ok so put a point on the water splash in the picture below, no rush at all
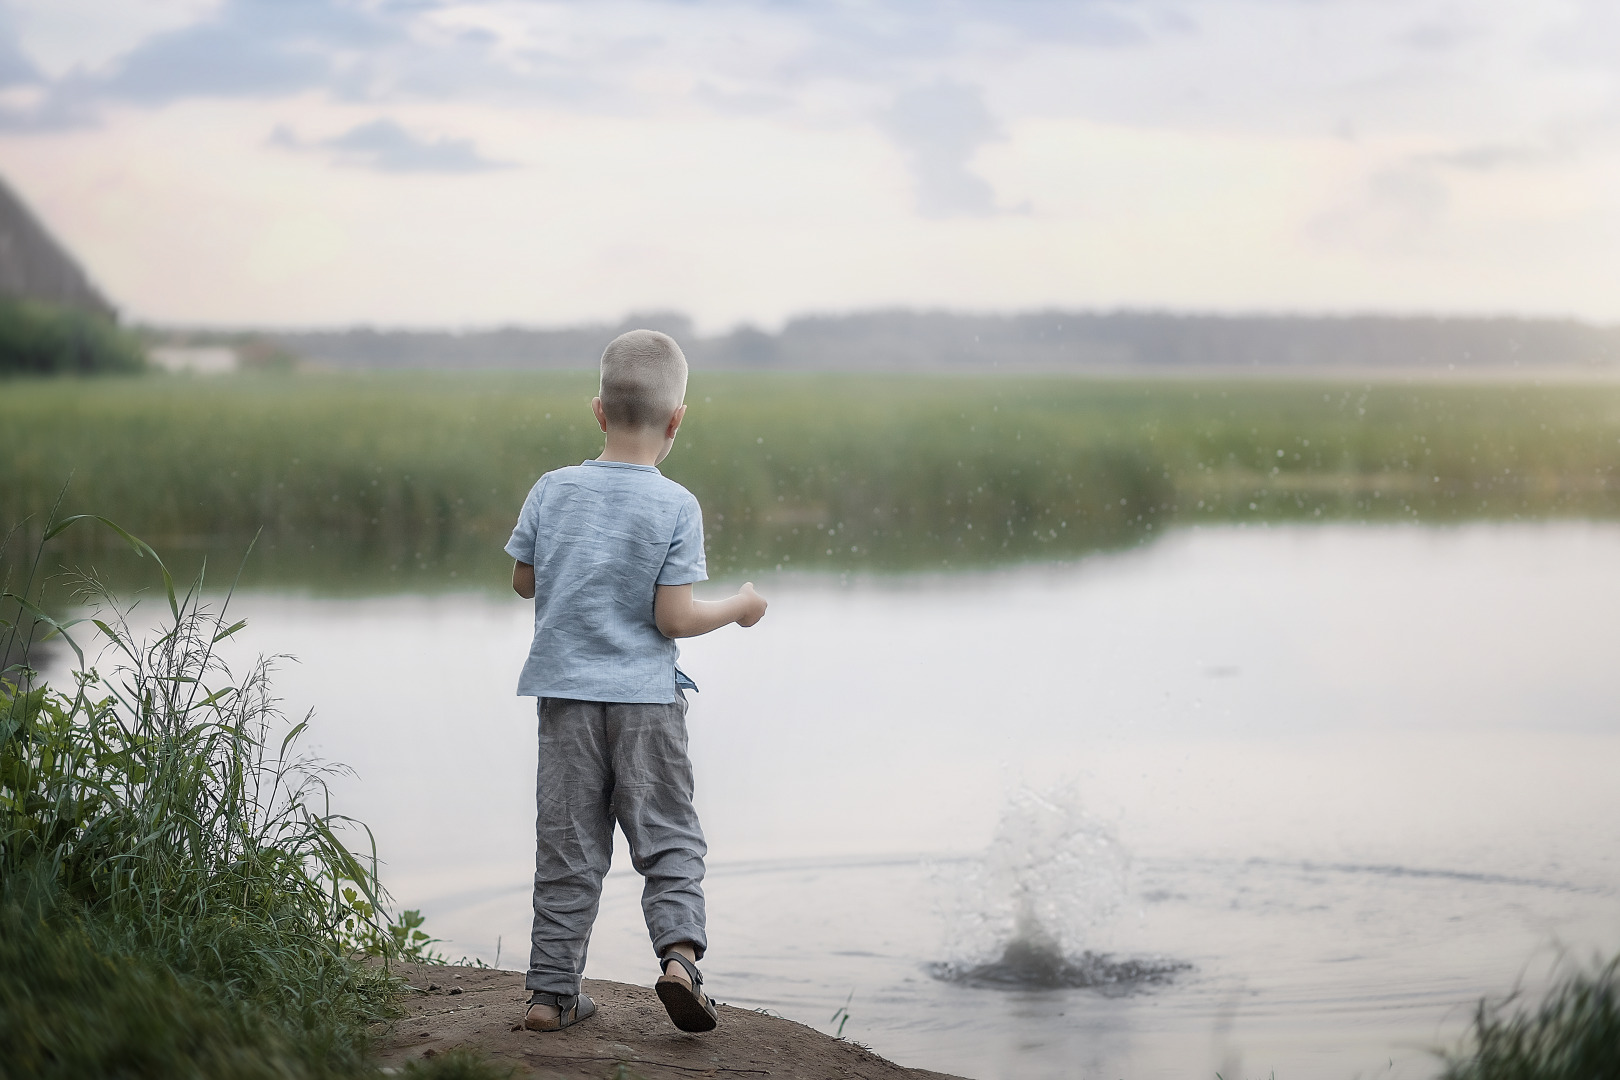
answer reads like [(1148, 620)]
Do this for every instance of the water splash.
[(1028, 966), (1027, 915)]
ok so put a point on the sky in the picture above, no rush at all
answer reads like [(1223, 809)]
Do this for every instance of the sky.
[(468, 163)]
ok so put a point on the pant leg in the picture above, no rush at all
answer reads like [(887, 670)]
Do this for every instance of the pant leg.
[(652, 799), (573, 840)]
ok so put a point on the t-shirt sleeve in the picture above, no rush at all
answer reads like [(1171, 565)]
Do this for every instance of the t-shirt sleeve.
[(685, 563), (521, 546)]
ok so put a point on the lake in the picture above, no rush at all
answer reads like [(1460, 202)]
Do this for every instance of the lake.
[(1303, 793)]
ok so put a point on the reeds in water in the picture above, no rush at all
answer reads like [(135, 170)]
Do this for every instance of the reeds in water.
[(411, 480)]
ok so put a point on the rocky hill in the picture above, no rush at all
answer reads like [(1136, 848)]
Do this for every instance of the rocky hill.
[(34, 266)]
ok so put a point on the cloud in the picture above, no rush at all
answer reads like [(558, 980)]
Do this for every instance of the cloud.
[(1437, 36), (741, 103), (21, 81), (1096, 24), (242, 49), (1398, 211), (939, 128), (15, 67), (1489, 157), (252, 48), (348, 49), (393, 50), (383, 145), (1426, 70)]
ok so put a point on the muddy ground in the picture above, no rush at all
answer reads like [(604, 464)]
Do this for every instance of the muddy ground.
[(629, 1037)]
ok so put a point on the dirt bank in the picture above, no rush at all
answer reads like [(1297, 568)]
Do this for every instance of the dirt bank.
[(477, 1007)]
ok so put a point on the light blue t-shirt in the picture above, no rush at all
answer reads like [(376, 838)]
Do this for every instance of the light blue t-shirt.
[(600, 536)]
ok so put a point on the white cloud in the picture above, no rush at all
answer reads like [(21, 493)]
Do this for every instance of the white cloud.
[(65, 36), (1398, 210), (385, 146), (940, 127)]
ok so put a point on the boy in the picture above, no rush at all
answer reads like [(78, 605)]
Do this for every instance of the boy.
[(608, 550)]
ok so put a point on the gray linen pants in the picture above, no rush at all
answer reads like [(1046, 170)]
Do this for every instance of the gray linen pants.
[(601, 762)]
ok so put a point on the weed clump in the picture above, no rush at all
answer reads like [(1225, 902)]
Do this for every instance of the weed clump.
[(82, 994), (1573, 1034), (176, 895)]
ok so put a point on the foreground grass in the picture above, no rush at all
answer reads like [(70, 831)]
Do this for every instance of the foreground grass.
[(1572, 1034), (86, 993), (389, 479), (176, 899)]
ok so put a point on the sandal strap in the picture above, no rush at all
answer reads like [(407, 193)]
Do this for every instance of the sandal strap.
[(565, 1003), (691, 968)]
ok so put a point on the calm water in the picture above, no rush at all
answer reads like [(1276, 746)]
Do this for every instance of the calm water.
[(1355, 778)]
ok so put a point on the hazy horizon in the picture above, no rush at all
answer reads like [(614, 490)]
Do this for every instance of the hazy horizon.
[(776, 326)]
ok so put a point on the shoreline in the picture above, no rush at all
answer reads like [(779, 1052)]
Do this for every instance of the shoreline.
[(630, 1035)]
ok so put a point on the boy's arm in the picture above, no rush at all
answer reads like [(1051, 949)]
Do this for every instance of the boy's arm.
[(678, 615), (523, 579)]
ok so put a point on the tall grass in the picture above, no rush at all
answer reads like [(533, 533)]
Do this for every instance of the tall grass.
[(176, 897), (1571, 1034), (394, 479)]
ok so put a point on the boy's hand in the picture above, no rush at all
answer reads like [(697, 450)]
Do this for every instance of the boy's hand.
[(753, 605)]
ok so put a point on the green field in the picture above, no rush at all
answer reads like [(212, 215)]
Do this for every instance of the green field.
[(412, 480)]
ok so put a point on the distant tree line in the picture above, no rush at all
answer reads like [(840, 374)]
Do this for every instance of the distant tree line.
[(52, 339), (1049, 341)]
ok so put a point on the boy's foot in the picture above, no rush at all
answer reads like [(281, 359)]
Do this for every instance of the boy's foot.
[(681, 991), (553, 1012)]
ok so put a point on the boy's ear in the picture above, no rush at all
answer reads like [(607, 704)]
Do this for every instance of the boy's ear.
[(601, 417), (674, 421)]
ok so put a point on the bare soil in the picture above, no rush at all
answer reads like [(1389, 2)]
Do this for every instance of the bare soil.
[(629, 1037)]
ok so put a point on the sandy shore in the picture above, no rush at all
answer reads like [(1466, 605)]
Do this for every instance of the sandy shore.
[(630, 1035)]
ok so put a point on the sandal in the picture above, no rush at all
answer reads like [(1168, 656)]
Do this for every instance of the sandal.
[(571, 1009), (688, 1006)]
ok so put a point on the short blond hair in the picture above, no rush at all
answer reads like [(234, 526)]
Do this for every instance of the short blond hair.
[(643, 379)]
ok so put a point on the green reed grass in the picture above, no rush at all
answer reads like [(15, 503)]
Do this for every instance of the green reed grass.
[(1573, 1033), (390, 480), (157, 785), (176, 895)]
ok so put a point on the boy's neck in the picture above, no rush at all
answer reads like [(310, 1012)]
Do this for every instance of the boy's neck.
[(636, 445), (633, 447)]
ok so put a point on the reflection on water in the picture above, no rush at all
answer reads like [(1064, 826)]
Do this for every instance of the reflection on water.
[(1363, 776)]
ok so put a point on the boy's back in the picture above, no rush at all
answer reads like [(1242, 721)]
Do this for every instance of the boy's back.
[(601, 536)]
